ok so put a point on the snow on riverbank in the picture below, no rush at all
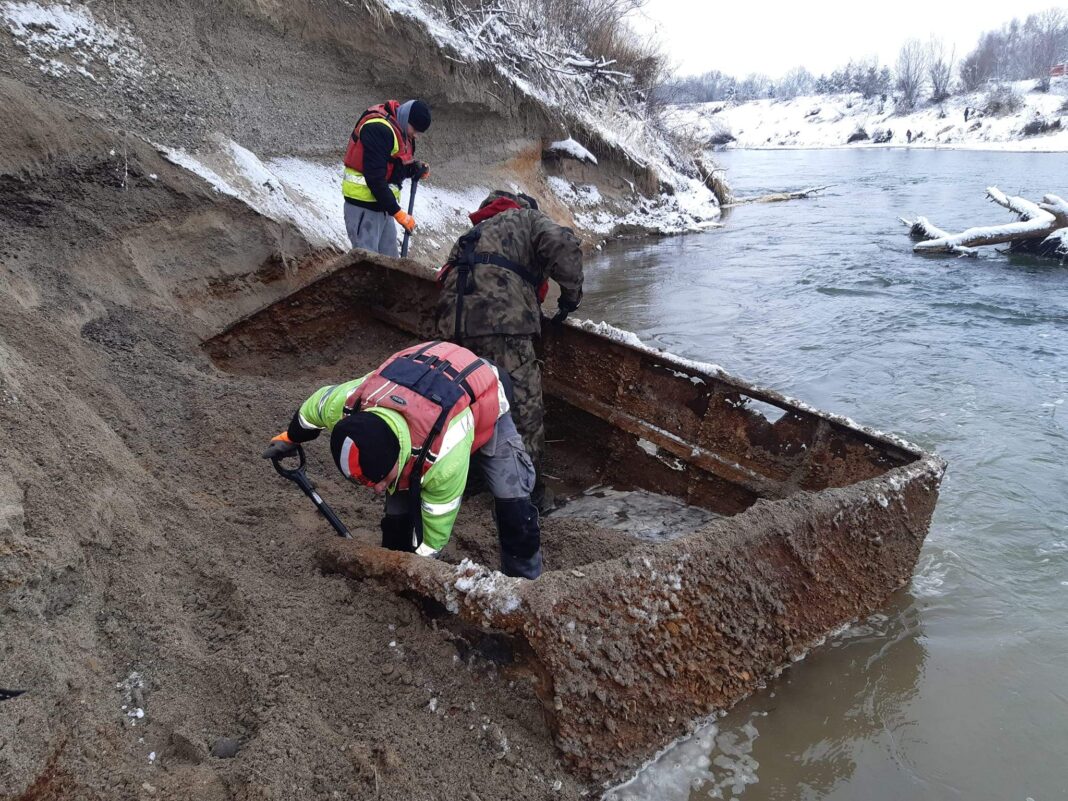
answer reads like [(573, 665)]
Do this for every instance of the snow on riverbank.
[(690, 208), (307, 194), (827, 121)]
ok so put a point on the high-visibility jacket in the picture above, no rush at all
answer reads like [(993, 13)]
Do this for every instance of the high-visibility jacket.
[(411, 416), (354, 183)]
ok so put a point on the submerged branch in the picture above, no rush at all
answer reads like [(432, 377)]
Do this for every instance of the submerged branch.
[(777, 197)]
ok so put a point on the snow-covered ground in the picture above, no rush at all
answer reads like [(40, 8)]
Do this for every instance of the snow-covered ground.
[(823, 121)]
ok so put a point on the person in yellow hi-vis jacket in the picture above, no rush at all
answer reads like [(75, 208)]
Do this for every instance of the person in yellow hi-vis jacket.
[(410, 429), (380, 155)]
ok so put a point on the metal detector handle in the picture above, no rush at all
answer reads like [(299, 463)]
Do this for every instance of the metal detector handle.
[(300, 478), (411, 207)]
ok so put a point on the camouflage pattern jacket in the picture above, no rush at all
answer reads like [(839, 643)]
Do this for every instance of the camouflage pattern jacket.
[(499, 300)]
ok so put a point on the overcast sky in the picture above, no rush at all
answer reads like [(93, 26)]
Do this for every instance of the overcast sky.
[(772, 36)]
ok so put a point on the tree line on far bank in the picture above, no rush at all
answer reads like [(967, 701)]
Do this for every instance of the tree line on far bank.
[(1018, 51)]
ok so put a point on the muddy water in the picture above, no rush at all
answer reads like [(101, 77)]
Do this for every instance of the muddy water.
[(960, 689)]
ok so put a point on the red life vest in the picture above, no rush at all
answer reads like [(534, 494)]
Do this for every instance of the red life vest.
[(429, 385), (386, 111)]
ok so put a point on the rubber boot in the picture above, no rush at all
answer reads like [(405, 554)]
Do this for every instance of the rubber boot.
[(543, 497), (520, 537), (397, 533)]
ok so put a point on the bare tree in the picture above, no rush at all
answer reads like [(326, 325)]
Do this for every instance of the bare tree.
[(796, 82), (1045, 41), (939, 68), (911, 64), (981, 64)]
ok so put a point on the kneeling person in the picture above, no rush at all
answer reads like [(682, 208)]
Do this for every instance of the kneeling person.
[(409, 430)]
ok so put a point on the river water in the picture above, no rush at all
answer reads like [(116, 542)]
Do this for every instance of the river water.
[(959, 690)]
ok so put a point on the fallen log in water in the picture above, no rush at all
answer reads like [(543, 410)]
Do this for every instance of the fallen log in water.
[(778, 197), (1039, 229)]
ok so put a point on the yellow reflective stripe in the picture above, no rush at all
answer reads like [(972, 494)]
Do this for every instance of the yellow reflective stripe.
[(441, 508), (456, 432), (354, 177), (354, 186), (383, 121)]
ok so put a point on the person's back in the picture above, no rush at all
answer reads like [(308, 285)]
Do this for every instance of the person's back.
[(503, 299), (491, 292)]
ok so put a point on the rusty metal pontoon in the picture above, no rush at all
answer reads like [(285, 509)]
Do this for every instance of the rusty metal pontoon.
[(821, 521)]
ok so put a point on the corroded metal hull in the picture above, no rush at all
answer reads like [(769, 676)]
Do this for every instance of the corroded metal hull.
[(821, 521)]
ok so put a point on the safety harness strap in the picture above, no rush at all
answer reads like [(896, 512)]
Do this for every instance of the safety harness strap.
[(415, 482), (508, 264)]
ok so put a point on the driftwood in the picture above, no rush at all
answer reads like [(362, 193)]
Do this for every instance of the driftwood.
[(1040, 228), (778, 197)]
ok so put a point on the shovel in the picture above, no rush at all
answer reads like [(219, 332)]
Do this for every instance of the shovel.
[(7, 695), (411, 207), (300, 478)]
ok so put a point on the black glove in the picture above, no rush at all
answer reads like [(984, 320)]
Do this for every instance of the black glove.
[(280, 448), (562, 311), (420, 170)]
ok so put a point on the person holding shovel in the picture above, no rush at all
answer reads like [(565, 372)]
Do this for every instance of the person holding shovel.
[(380, 155), (410, 430)]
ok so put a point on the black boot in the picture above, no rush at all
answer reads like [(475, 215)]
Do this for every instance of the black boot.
[(543, 497), (520, 537), (397, 533)]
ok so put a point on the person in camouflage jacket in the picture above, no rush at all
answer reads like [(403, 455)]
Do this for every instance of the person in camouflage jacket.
[(492, 287)]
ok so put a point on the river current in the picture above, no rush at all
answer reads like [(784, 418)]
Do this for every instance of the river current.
[(959, 689)]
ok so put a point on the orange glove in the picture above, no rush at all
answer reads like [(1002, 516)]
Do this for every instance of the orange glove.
[(280, 447), (406, 220)]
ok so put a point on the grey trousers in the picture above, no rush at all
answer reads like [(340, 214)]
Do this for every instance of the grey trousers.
[(371, 230), (504, 462)]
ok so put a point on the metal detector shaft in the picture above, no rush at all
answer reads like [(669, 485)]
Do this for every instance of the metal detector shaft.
[(300, 478), (411, 207)]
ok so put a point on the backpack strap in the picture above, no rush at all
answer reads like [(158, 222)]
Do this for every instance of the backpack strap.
[(465, 261)]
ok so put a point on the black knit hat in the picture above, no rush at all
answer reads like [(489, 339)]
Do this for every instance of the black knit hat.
[(419, 116), (364, 447)]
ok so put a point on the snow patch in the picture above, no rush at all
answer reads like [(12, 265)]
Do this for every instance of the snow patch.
[(65, 39), (573, 149), (691, 208), (490, 590)]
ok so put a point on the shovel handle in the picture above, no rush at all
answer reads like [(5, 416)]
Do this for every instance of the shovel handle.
[(411, 208), (300, 478), (290, 473)]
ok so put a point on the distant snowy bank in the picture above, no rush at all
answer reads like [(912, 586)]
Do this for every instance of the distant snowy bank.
[(827, 121)]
